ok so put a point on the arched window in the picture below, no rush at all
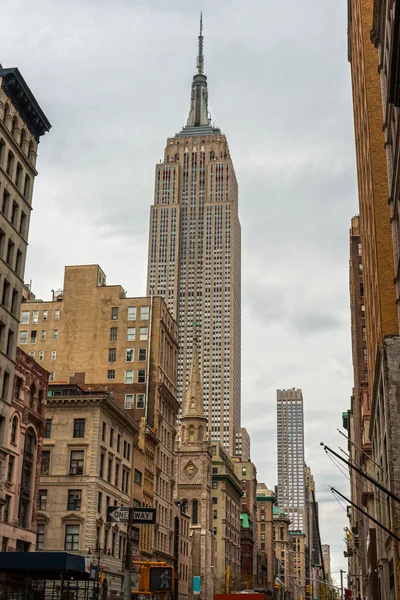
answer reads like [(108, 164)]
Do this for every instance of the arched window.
[(191, 433), (6, 113), (195, 512), (32, 395), (23, 139), (14, 426), (40, 401), (18, 175), (14, 126), (201, 433), (212, 155)]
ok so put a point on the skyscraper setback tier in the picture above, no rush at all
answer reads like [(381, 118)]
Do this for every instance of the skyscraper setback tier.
[(194, 257), (290, 446)]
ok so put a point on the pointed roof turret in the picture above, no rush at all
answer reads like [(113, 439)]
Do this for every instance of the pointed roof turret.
[(193, 401), (198, 122)]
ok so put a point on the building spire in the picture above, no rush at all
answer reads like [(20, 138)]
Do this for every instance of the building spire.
[(198, 114), (200, 56), (193, 401)]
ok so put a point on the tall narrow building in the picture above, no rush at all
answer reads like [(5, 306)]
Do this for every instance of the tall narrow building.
[(290, 446), (22, 124), (194, 257)]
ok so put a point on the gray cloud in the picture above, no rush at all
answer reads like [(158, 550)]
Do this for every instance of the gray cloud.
[(114, 80)]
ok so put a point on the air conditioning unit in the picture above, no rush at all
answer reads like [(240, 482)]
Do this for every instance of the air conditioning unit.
[(72, 471), (77, 497)]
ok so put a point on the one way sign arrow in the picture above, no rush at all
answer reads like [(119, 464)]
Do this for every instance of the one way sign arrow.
[(118, 514)]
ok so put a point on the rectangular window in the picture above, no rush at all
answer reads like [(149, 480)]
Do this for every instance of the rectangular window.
[(109, 470), (119, 443), (42, 500), (43, 335), (40, 531), (51, 376), (25, 317), (138, 477), (144, 313), (79, 428), (114, 314), (144, 333), (215, 485), (111, 437), (56, 315), (32, 353), (55, 334), (113, 334), (140, 400), (244, 470), (131, 313), (53, 355), (215, 514), (128, 400), (131, 334), (99, 502), (76, 462), (141, 376), (128, 377), (71, 537), (23, 337), (35, 316), (129, 355), (116, 480), (101, 472), (74, 499), (45, 464), (10, 470), (364, 333), (103, 432), (112, 355), (142, 354), (47, 429), (262, 526), (33, 336), (111, 374), (45, 315)]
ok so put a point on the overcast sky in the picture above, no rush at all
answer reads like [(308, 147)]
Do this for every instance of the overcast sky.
[(114, 80)]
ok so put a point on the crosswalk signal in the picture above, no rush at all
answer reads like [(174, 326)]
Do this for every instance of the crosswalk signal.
[(157, 579)]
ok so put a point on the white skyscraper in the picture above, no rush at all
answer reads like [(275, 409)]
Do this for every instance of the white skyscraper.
[(290, 446), (194, 257)]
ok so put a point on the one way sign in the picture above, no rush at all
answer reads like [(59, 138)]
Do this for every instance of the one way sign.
[(147, 516), (118, 514)]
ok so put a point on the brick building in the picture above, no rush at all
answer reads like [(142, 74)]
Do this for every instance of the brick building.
[(22, 124), (246, 472), (18, 521), (265, 500), (92, 335)]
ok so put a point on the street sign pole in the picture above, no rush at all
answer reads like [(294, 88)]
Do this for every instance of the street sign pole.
[(128, 561)]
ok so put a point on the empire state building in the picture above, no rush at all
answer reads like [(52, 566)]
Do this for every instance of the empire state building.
[(194, 259)]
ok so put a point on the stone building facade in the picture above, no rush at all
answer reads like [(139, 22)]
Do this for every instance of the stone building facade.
[(226, 499), (22, 124), (246, 472), (87, 465), (18, 521), (265, 500), (93, 335), (284, 551), (194, 486)]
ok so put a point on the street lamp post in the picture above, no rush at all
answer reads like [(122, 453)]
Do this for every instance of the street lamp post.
[(341, 583)]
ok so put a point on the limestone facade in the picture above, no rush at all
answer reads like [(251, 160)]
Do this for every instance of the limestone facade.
[(25, 437), (194, 484), (22, 123), (87, 465), (93, 335)]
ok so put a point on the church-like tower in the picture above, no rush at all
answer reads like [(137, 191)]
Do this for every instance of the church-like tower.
[(194, 259), (193, 478)]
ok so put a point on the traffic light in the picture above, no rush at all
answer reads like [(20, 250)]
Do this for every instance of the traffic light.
[(277, 586), (157, 579), (308, 588)]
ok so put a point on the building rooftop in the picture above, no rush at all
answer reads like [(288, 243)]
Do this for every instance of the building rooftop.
[(24, 101)]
